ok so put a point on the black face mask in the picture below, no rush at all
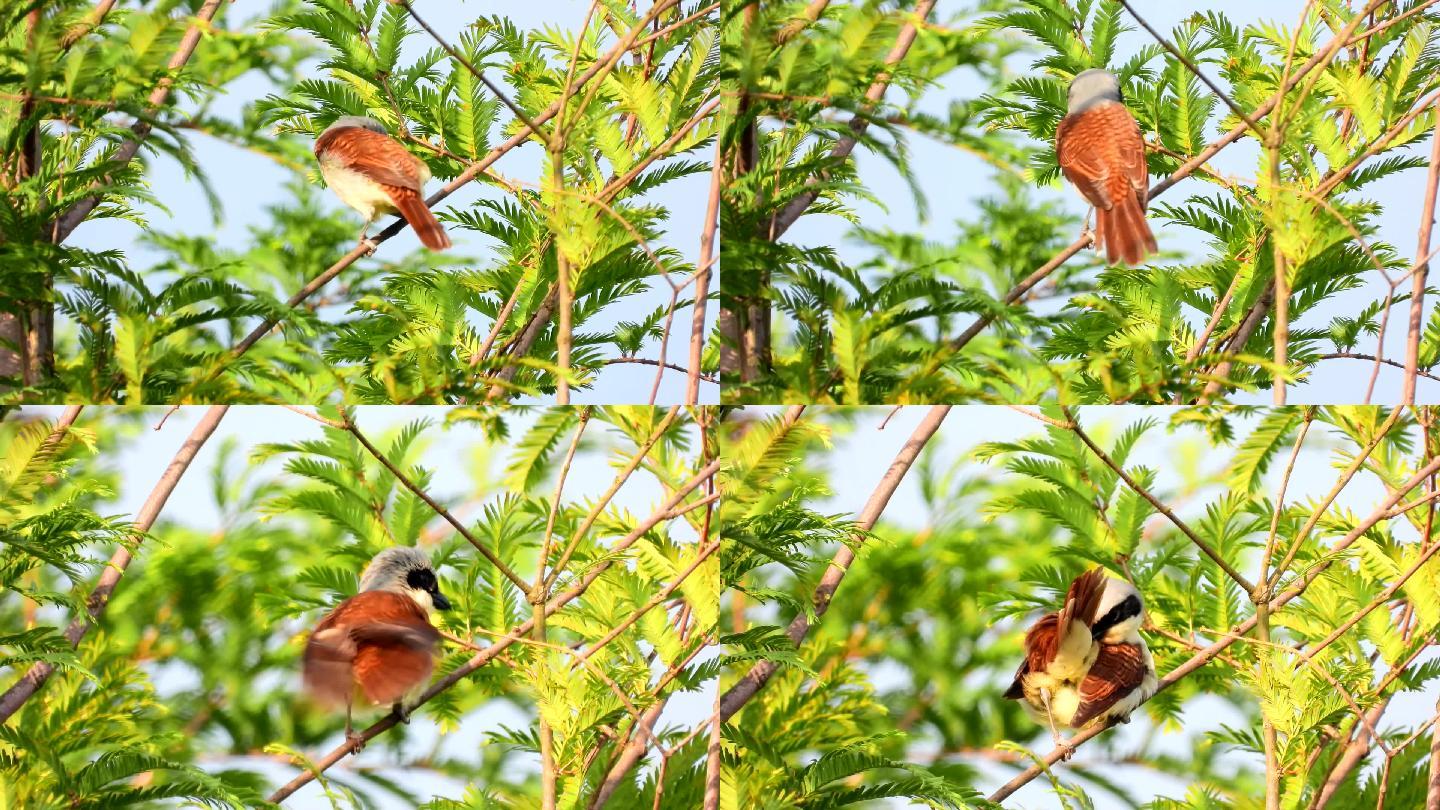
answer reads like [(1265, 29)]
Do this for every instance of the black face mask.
[(423, 579)]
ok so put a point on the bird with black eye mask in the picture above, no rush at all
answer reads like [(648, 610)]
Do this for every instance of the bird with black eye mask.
[(1087, 662), (378, 643)]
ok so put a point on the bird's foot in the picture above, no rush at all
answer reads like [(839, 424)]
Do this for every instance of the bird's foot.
[(355, 741), (370, 245), (1066, 748), (400, 713)]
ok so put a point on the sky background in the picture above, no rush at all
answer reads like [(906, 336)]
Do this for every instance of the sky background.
[(864, 451), (953, 180), (462, 460), (248, 183)]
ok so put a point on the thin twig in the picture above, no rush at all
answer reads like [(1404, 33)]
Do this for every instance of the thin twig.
[(434, 505), (1360, 356), (858, 124), (1160, 507), (1193, 68), (709, 378), (530, 124)]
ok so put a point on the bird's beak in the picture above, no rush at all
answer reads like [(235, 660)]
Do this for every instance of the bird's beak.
[(441, 603)]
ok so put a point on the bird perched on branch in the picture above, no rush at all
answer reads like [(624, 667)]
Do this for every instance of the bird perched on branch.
[(1101, 152), (1087, 662), (372, 173), (379, 642)]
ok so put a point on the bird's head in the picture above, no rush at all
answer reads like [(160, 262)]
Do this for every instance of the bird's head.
[(1121, 612), (361, 121), (405, 570), (1091, 87)]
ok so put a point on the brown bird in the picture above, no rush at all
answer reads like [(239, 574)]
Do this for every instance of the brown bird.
[(1087, 662), (372, 173), (378, 642), (1101, 152)]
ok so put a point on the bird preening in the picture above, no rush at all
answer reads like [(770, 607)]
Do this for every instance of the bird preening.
[(1087, 663), (1100, 151), (379, 643), (372, 173)]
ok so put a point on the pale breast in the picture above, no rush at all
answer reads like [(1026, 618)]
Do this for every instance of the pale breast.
[(356, 190)]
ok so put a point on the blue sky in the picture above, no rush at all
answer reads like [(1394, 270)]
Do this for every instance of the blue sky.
[(249, 182), (953, 180)]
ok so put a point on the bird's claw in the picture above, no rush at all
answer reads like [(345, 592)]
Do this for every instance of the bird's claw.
[(1067, 750), (370, 245), (400, 713), (355, 741)]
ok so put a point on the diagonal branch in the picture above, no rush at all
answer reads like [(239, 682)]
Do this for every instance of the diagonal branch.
[(1193, 68), (72, 218), (530, 124), (1184, 527), (858, 124), (354, 430), (753, 681), (35, 677)]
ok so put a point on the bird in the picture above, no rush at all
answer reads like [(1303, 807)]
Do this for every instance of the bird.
[(1101, 152), (372, 173), (1087, 662), (378, 643)]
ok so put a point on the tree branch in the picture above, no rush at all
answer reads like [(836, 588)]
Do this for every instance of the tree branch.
[(1155, 502), (702, 281), (99, 598), (400, 476), (858, 124), (753, 681), (141, 128), (1417, 290)]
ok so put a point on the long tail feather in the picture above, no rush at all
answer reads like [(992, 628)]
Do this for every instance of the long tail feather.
[(1128, 238), (415, 212)]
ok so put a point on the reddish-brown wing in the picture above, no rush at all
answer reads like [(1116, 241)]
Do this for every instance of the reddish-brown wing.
[(1041, 641), (1118, 669), (379, 640), (1082, 599), (376, 156), (1100, 150)]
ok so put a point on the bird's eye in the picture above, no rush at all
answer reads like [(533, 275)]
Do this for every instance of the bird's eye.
[(421, 579)]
